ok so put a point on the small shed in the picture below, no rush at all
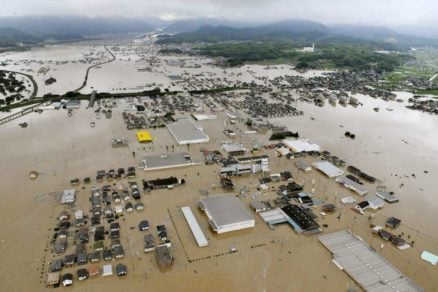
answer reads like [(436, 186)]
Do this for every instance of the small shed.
[(82, 258), (144, 225), (258, 206), (328, 208), (82, 274), (53, 278), (118, 252), (67, 280), (69, 260), (79, 214), (144, 137), (68, 196), (121, 270), (107, 270), (56, 265), (64, 215), (94, 270), (393, 222), (107, 255)]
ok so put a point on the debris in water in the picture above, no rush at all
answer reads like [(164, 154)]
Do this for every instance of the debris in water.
[(33, 175)]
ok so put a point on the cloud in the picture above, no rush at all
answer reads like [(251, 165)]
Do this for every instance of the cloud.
[(388, 12)]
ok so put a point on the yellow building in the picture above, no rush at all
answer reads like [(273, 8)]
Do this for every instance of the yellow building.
[(144, 137)]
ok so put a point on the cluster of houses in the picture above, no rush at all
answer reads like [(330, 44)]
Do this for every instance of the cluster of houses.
[(74, 229), (80, 255)]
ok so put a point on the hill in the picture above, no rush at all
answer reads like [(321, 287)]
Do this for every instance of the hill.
[(303, 31), (42, 26), (11, 37)]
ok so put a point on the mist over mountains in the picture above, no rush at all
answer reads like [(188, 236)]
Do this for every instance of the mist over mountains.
[(32, 29)]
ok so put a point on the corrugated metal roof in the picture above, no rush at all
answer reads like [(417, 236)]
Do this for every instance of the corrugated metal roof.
[(225, 209), (200, 238), (328, 169), (352, 185), (186, 132), (368, 268), (275, 216)]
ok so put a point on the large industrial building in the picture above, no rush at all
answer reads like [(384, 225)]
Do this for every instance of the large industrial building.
[(226, 213), (298, 146), (328, 169), (186, 132), (168, 160), (363, 264)]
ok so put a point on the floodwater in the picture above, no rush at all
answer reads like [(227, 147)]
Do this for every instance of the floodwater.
[(390, 145), (137, 67), (397, 146)]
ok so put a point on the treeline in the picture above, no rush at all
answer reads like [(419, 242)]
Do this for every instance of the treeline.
[(353, 57), (240, 53)]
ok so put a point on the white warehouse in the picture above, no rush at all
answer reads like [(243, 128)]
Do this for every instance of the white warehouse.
[(226, 213)]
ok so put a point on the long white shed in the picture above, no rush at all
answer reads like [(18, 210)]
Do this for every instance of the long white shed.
[(197, 232)]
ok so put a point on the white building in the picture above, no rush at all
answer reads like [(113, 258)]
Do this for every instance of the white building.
[(186, 132), (303, 145), (68, 196), (197, 232), (308, 49), (226, 213)]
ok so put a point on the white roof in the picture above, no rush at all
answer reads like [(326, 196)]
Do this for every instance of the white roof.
[(275, 216), (225, 210), (348, 200), (387, 196), (366, 266), (328, 169), (283, 151), (352, 185), (233, 147), (203, 117), (197, 232), (107, 270), (301, 145), (186, 132), (430, 257), (79, 214), (376, 203), (68, 196)]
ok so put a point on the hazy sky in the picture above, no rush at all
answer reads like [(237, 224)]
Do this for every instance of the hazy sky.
[(377, 12)]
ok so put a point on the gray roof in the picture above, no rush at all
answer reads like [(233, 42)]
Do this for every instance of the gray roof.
[(257, 205), (352, 185), (168, 160), (68, 196), (233, 147), (327, 168), (367, 267), (387, 196), (225, 209), (185, 132)]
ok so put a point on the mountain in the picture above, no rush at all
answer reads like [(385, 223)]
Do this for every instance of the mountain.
[(214, 34), (382, 34), (10, 37), (189, 25), (302, 30), (42, 26), (295, 25)]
